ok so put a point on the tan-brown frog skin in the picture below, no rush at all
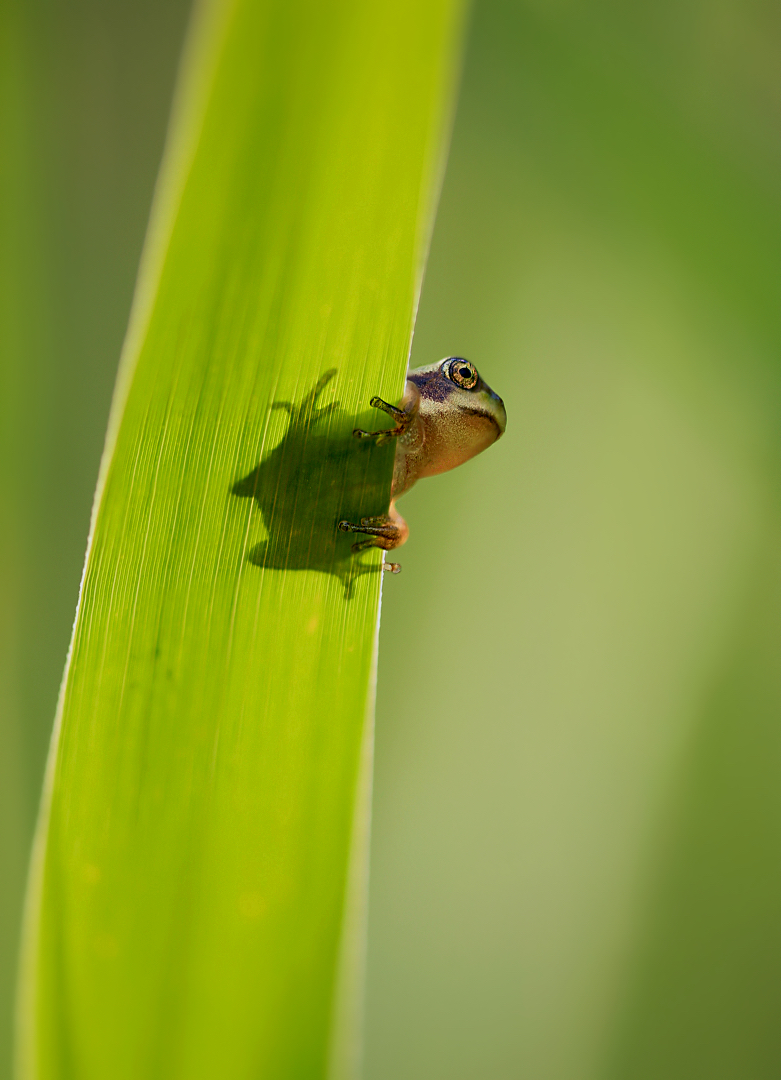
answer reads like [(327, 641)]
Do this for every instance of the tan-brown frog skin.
[(447, 415)]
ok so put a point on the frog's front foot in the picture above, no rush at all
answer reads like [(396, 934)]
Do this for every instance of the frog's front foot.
[(402, 417)]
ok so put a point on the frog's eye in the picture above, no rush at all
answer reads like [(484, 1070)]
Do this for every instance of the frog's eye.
[(461, 372)]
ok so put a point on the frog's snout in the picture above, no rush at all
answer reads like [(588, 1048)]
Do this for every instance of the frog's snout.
[(498, 412)]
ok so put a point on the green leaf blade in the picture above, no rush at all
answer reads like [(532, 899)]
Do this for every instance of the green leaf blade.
[(187, 910)]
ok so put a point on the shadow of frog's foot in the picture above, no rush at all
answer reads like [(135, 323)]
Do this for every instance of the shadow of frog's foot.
[(348, 570)]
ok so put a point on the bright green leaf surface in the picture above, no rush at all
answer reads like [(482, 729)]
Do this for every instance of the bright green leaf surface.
[(187, 911)]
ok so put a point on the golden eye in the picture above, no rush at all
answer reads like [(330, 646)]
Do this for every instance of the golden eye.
[(461, 372)]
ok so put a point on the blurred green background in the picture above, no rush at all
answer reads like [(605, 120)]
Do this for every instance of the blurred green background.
[(577, 828)]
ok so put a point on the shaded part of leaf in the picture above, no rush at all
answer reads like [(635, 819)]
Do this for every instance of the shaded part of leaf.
[(315, 478)]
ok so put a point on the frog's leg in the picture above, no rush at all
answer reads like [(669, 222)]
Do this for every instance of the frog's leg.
[(386, 531), (403, 416), (305, 410)]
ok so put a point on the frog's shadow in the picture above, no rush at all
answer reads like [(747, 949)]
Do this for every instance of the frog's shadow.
[(317, 476)]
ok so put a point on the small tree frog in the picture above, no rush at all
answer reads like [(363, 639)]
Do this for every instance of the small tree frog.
[(447, 415)]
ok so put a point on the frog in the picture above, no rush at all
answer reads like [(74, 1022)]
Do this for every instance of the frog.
[(448, 414), (316, 484)]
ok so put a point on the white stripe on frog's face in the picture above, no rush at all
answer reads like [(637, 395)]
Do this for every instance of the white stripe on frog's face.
[(443, 403)]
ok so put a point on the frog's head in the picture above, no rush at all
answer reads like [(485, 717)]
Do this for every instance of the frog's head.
[(456, 387), (461, 413)]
